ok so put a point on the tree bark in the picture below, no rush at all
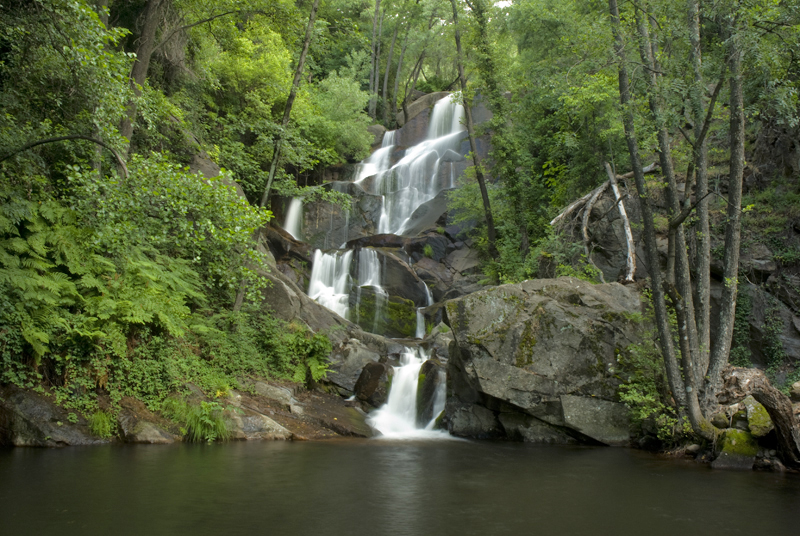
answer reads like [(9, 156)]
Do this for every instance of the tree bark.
[(487, 209), (287, 110), (678, 265), (651, 253), (151, 17), (724, 335), (386, 75), (700, 156)]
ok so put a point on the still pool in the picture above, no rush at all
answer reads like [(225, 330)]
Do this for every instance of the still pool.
[(373, 487)]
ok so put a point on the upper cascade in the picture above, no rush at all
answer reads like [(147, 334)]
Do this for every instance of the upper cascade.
[(417, 177), (358, 284)]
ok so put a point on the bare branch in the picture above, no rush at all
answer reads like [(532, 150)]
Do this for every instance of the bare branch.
[(33, 144)]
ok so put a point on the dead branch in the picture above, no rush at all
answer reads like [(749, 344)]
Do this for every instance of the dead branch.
[(630, 265)]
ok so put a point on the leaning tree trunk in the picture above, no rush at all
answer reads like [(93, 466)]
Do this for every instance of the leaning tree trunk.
[(741, 382), (386, 75), (651, 252), (144, 51), (276, 153), (287, 110), (397, 78), (724, 335), (487, 208), (373, 78)]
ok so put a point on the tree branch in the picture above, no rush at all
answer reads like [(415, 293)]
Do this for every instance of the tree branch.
[(33, 144)]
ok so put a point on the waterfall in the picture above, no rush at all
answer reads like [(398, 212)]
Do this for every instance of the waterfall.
[(414, 180), (420, 334), (294, 218), (397, 419), (330, 282)]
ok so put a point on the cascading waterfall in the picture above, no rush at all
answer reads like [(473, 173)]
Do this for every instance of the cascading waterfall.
[(294, 219), (415, 179), (397, 419)]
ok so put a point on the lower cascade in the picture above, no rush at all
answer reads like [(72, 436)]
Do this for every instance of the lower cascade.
[(400, 417)]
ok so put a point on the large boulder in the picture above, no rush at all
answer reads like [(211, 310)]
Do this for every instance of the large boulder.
[(373, 383), (544, 348), (348, 361)]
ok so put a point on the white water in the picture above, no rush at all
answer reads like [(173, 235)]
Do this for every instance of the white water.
[(397, 419), (420, 332), (415, 179), (294, 219), (330, 282)]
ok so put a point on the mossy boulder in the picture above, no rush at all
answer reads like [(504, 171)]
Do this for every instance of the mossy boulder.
[(531, 346), (390, 316), (758, 420), (737, 450)]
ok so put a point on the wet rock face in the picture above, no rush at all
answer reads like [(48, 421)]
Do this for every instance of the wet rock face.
[(327, 225), (431, 376), (372, 385), (29, 419), (546, 349)]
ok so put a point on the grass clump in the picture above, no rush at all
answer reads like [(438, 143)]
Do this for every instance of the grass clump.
[(203, 422)]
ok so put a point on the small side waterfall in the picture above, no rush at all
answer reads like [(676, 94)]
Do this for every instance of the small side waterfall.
[(330, 282), (294, 219), (397, 419)]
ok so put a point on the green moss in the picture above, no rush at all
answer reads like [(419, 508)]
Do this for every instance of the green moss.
[(739, 443), (526, 344), (397, 317), (757, 418)]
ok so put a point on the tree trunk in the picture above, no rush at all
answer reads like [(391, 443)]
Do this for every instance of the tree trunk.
[(678, 272), (373, 78), (386, 75), (724, 335), (651, 252), (144, 51), (397, 75), (703, 254), (487, 209), (287, 110)]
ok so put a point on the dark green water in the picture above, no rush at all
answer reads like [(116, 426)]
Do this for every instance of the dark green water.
[(379, 487)]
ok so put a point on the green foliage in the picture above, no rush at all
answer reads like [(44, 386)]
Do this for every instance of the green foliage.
[(199, 422), (428, 251), (645, 390), (740, 355), (102, 424)]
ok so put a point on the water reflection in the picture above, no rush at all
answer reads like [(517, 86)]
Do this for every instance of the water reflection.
[(376, 488)]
